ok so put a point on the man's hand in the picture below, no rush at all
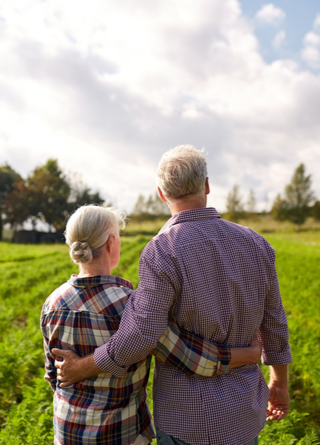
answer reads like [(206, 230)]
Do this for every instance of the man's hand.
[(279, 400), (74, 368), (279, 403)]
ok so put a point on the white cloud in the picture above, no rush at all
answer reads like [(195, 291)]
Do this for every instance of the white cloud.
[(311, 51), (312, 56), (270, 15), (107, 90), (316, 23), (312, 39), (279, 39)]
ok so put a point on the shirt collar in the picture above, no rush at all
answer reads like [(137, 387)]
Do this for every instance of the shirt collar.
[(85, 282), (191, 215)]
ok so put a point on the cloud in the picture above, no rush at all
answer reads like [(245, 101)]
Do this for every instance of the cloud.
[(270, 15), (279, 39), (316, 23), (311, 51), (109, 89)]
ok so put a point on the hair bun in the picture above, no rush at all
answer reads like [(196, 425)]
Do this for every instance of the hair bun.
[(81, 252)]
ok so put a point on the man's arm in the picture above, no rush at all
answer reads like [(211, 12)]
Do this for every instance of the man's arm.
[(274, 337), (144, 320), (279, 400), (185, 351)]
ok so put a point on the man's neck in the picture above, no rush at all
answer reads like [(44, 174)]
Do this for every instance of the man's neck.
[(197, 202)]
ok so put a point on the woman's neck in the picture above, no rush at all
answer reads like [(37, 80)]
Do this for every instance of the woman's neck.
[(93, 269)]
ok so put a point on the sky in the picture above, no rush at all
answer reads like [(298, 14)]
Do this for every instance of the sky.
[(107, 87)]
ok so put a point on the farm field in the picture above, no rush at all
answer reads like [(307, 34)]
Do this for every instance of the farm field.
[(30, 273)]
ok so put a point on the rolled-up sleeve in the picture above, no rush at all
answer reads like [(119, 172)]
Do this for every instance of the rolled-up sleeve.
[(273, 332), (190, 353)]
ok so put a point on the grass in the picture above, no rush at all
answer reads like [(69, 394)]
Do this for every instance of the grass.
[(260, 223), (30, 273)]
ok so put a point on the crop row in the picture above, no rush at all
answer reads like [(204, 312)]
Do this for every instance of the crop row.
[(298, 270), (27, 279), (26, 399)]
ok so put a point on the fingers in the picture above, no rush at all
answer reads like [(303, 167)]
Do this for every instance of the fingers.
[(255, 341), (63, 381), (276, 414), (65, 384), (60, 352)]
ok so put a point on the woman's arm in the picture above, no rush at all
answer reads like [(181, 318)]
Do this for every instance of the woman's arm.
[(51, 371), (194, 355)]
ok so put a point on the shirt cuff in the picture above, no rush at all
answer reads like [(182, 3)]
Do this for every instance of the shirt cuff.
[(277, 358), (106, 364), (225, 357)]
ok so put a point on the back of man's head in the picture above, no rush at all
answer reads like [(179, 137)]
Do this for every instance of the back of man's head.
[(182, 172)]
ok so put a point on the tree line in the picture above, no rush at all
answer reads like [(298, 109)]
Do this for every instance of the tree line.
[(47, 194), (296, 204)]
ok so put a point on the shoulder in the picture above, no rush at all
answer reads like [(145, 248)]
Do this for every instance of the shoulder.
[(263, 245), (158, 248), (58, 298), (105, 299), (247, 235)]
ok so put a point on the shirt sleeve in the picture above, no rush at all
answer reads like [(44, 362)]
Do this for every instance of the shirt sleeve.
[(190, 353), (273, 333), (51, 371), (145, 317)]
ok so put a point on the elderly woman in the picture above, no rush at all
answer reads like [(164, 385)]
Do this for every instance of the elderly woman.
[(83, 314)]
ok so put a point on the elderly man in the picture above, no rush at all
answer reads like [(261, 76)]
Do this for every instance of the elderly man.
[(218, 280)]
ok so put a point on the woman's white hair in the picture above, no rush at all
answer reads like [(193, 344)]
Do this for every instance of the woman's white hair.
[(182, 172), (89, 228)]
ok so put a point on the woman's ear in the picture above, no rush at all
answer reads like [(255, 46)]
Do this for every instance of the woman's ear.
[(110, 242)]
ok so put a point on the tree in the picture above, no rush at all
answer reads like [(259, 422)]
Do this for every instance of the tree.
[(279, 209), (234, 204), (8, 179), (140, 206), (251, 204), (316, 210), (48, 191), (155, 206), (82, 196), (152, 206), (295, 206), (16, 204), (47, 194)]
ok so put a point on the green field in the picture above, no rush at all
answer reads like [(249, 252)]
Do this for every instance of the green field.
[(30, 273)]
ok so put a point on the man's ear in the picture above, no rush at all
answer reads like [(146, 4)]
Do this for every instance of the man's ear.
[(207, 186), (162, 197)]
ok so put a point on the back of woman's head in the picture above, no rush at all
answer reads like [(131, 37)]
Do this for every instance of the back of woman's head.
[(89, 228)]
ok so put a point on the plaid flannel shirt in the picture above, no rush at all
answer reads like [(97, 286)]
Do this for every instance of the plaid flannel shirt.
[(83, 314)]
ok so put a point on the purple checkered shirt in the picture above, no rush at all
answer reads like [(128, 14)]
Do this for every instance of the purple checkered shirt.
[(216, 279)]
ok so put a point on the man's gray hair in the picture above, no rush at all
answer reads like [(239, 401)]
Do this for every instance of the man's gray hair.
[(182, 172)]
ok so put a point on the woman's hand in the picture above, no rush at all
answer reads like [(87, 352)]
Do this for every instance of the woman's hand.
[(256, 349), (246, 356)]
